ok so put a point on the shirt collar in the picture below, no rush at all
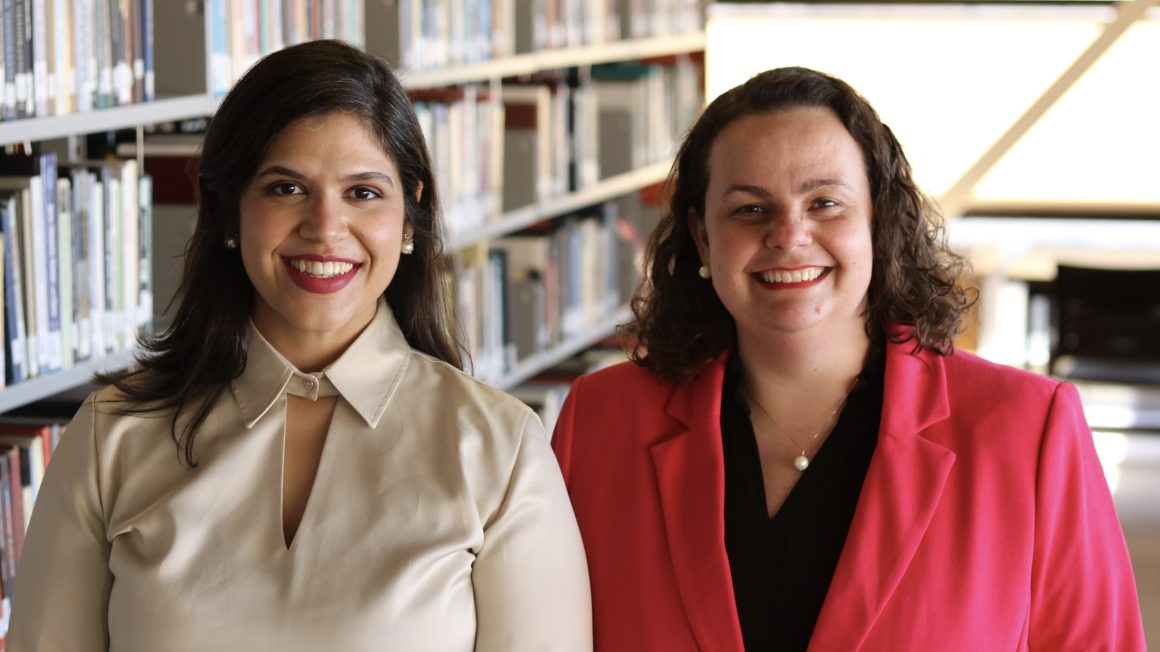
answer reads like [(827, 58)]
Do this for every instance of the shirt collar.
[(367, 386)]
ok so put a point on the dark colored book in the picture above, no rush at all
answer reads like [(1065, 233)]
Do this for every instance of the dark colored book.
[(16, 346), (7, 525), (8, 107), (146, 24)]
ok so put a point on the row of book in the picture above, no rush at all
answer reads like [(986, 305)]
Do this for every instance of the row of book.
[(558, 281), (25, 449), (243, 31), (67, 56), (552, 134), (462, 127), (427, 34), (537, 139), (76, 261)]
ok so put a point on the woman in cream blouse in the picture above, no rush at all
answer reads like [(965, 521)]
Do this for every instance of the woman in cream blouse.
[(298, 463)]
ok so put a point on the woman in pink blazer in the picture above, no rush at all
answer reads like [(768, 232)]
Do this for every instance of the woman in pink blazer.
[(796, 458)]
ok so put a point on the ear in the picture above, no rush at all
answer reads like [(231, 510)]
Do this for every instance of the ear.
[(419, 192), (700, 235)]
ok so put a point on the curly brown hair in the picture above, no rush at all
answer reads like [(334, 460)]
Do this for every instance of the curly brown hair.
[(680, 324)]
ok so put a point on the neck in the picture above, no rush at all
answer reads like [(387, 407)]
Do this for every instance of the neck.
[(786, 373)]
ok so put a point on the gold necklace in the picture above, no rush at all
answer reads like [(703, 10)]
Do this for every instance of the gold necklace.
[(802, 461)]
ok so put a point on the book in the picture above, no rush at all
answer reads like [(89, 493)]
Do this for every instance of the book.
[(9, 517), (23, 58), (66, 271), (85, 65), (41, 80), (527, 145), (8, 33), (38, 174), (3, 313), (64, 56), (16, 348), (148, 67), (34, 443), (34, 293)]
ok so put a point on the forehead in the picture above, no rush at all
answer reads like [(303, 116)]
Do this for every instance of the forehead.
[(334, 133), (800, 140)]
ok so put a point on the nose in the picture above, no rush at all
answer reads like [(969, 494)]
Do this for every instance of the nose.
[(788, 231), (324, 218)]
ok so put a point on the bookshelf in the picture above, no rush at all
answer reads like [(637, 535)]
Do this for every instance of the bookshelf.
[(538, 362), (189, 62), (112, 119), (38, 389), (532, 63), (601, 191)]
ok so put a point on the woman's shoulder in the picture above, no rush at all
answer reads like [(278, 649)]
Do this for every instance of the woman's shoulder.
[(454, 385), (626, 379), (970, 370)]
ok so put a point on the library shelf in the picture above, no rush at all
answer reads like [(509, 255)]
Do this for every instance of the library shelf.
[(42, 387), (601, 191), (533, 62), (111, 119), (534, 364)]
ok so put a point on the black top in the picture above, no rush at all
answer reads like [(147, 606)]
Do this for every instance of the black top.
[(782, 566)]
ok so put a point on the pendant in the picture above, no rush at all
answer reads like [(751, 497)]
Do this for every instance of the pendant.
[(801, 462)]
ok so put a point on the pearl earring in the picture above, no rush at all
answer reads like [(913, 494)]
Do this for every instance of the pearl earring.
[(704, 272), (231, 241), (408, 243)]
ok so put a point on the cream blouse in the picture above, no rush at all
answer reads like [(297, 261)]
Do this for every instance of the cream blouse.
[(437, 521)]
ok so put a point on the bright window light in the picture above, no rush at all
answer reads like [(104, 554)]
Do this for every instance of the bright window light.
[(950, 79)]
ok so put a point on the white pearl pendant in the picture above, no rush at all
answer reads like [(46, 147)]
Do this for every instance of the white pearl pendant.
[(801, 462)]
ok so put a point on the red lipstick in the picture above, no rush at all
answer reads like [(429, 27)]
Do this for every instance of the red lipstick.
[(319, 285)]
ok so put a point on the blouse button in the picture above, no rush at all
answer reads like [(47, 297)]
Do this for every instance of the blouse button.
[(308, 384)]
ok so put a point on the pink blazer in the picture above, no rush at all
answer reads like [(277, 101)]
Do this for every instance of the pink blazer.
[(984, 524)]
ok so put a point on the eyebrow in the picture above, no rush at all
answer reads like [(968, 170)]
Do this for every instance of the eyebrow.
[(369, 175), (807, 186)]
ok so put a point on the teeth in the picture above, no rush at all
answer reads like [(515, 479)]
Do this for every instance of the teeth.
[(320, 269), (795, 276)]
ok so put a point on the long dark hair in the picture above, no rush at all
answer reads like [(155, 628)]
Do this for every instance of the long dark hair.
[(679, 322), (186, 368)]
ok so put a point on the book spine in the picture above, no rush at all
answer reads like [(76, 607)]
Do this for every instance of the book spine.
[(219, 49), (16, 347), (130, 251), (135, 52), (103, 47), (25, 100), (8, 107), (39, 278), (85, 62), (7, 528), (53, 342), (65, 239), (98, 255), (82, 185), (145, 258), (118, 45), (40, 58), (149, 81), (65, 59), (113, 261), (28, 276)]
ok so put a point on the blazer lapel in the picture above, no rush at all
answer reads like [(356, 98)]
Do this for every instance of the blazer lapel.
[(691, 480), (902, 489)]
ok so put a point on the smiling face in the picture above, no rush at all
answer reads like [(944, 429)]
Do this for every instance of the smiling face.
[(787, 230), (321, 233)]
